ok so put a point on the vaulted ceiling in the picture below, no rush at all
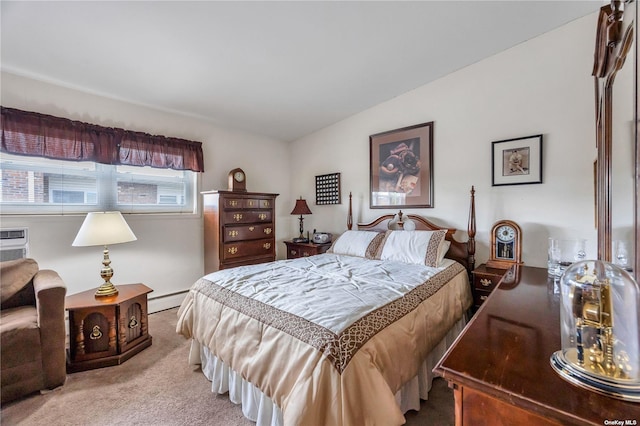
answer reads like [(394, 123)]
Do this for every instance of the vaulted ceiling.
[(281, 69)]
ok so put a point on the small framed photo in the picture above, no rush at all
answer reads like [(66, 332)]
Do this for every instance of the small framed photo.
[(401, 167), (517, 161)]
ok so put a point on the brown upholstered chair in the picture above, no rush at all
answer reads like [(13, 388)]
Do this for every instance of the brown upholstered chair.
[(32, 329)]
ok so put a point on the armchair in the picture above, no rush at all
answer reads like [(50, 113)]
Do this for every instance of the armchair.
[(32, 329)]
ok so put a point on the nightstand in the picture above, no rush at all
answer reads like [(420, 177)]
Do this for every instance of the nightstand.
[(295, 250), (484, 281), (107, 331)]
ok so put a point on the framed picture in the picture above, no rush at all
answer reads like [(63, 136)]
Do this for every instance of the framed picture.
[(401, 167), (517, 161)]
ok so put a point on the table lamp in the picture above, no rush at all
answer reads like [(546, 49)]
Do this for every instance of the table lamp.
[(102, 229), (301, 208)]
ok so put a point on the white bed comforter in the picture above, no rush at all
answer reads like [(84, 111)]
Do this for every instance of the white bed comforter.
[(329, 338)]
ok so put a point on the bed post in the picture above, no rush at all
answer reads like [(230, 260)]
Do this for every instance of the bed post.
[(350, 215), (471, 244)]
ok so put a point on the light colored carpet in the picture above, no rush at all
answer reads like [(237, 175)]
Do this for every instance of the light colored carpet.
[(158, 387)]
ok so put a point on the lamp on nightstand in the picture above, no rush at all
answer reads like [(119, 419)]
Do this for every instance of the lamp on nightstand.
[(301, 208), (102, 229)]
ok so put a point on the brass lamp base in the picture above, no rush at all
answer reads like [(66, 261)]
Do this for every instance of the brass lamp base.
[(107, 289)]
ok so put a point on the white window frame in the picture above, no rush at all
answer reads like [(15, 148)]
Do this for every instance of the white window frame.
[(106, 178)]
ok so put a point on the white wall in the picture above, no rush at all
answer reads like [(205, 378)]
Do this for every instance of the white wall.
[(168, 255), (541, 86)]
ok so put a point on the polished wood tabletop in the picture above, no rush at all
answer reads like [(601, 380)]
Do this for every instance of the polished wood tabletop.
[(87, 299), (505, 352)]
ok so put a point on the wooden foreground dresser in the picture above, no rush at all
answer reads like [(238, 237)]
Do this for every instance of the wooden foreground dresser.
[(500, 371)]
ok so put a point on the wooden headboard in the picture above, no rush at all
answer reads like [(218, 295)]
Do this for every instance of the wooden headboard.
[(463, 252)]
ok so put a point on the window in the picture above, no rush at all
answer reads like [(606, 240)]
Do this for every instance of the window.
[(34, 185), (56, 165)]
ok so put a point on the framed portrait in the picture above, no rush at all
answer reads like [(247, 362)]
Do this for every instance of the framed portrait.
[(401, 167), (517, 161)]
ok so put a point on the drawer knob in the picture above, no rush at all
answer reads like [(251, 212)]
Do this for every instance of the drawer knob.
[(262, 216), (267, 231), (233, 250), (233, 233), (133, 322), (266, 204), (293, 252), (237, 216), (233, 203), (266, 246), (304, 253), (251, 228), (96, 333), (250, 203), (483, 298), (485, 282)]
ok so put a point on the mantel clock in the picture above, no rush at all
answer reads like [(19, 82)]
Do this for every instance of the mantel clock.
[(237, 180), (506, 245)]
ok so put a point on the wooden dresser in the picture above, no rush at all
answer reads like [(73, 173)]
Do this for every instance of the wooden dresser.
[(500, 371), (239, 229)]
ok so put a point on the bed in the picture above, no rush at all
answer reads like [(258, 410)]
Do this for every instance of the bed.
[(348, 337)]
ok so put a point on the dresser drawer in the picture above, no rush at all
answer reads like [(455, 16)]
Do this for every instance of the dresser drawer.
[(247, 203), (480, 296), (247, 232), (300, 251), (248, 248), (243, 261), (248, 216), (485, 282), (295, 250)]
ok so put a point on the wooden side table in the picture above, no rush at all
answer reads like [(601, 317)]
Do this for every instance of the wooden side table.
[(107, 331), (485, 279), (295, 250)]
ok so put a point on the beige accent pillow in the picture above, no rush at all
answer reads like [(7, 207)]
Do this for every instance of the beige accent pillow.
[(417, 247), (15, 275), (357, 243)]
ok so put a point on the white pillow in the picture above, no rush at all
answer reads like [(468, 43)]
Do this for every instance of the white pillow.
[(418, 247), (357, 243)]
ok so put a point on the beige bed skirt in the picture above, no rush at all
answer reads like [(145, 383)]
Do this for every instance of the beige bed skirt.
[(259, 408)]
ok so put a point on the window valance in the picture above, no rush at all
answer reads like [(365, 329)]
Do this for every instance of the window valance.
[(35, 134)]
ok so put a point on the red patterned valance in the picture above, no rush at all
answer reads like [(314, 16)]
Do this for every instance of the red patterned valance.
[(35, 134)]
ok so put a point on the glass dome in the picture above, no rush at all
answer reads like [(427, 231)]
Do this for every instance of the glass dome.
[(599, 329)]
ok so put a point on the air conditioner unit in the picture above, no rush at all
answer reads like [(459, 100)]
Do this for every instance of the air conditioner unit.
[(14, 243)]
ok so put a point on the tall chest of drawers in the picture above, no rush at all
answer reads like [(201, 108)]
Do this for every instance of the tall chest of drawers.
[(239, 229)]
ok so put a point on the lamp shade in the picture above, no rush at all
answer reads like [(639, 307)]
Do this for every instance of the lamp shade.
[(301, 207), (103, 228)]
